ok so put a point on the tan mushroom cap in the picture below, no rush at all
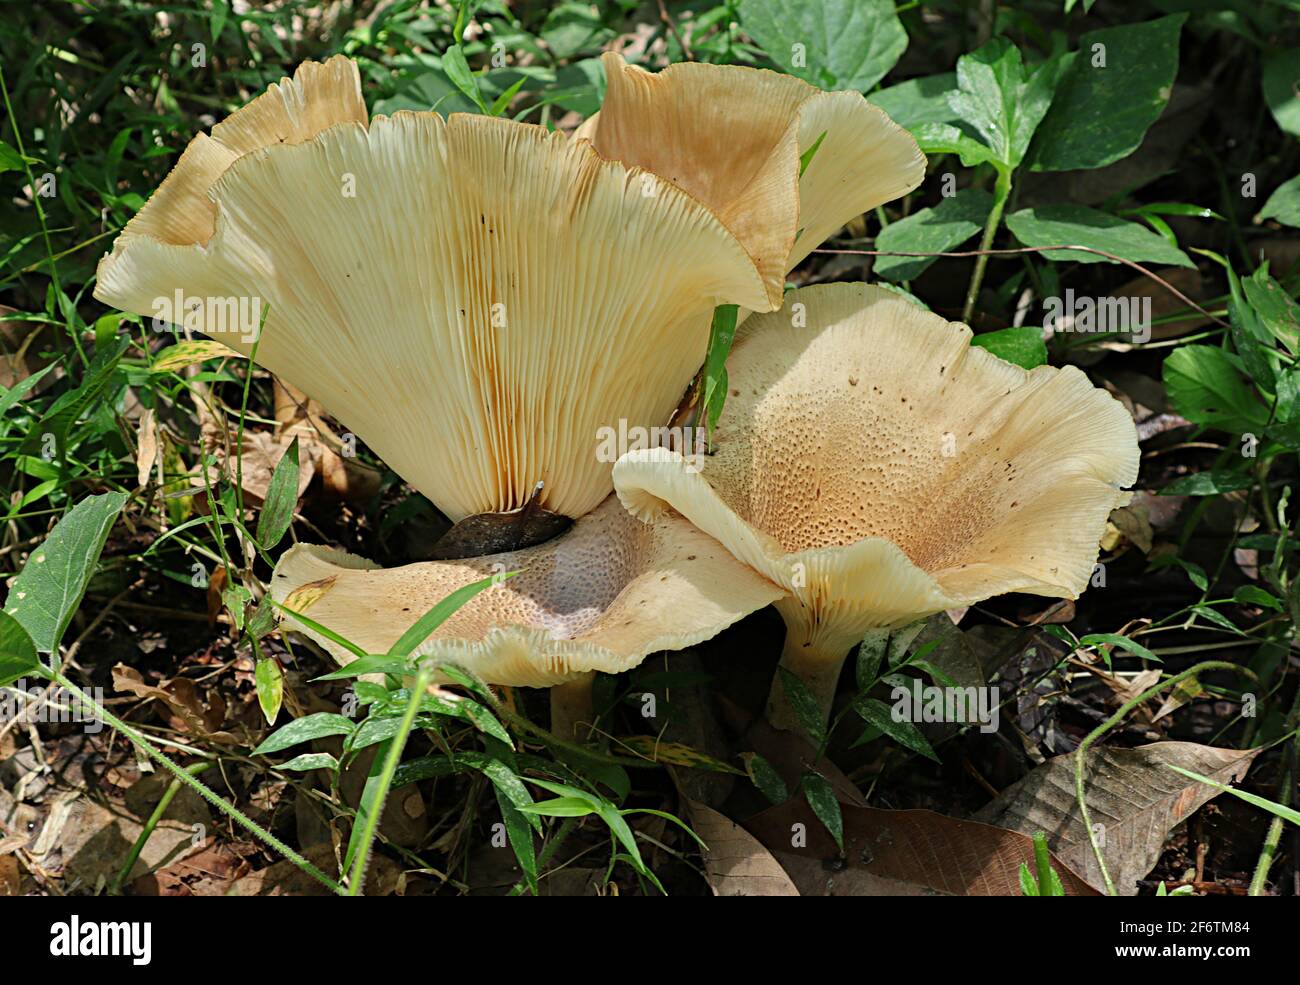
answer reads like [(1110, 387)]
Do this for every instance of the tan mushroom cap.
[(732, 137), (881, 469), (474, 298), (602, 597)]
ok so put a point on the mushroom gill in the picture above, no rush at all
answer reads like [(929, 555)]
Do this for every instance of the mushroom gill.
[(601, 597), (733, 138), (880, 469), (475, 299)]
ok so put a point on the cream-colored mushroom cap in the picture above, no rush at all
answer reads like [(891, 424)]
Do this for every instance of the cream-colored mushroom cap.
[(880, 468), (732, 137), (602, 597), (475, 299)]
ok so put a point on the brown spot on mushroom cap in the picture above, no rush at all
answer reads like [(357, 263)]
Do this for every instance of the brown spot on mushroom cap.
[(601, 597), (475, 358), (852, 500)]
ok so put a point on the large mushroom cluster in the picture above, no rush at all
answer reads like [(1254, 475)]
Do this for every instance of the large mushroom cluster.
[(481, 300)]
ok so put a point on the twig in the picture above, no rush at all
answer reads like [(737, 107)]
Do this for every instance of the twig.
[(672, 29)]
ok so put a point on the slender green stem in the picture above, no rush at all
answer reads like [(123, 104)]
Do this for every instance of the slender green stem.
[(40, 216), (1001, 192), (229, 809), (357, 875), (115, 887), (1273, 837), (1080, 758)]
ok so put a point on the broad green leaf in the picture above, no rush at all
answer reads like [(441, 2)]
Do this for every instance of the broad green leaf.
[(941, 227), (17, 651), (765, 777), (1281, 80), (1023, 347), (1077, 225), (1210, 483), (1284, 204), (918, 101), (1277, 310), (944, 138), (1109, 95), (281, 498), (835, 44), (310, 761), (316, 726), (1205, 385), (805, 706), (821, 798), (880, 715), (458, 71), (269, 679), (10, 159), (1002, 99), (1254, 595), (48, 590)]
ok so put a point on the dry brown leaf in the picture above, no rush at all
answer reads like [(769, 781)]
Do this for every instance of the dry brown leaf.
[(735, 863), (1131, 792), (198, 717), (899, 853)]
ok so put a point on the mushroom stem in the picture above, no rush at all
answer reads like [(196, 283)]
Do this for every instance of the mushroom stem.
[(818, 666), (572, 712)]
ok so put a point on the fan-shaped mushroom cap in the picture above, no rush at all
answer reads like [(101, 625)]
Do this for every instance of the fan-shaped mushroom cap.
[(474, 298), (879, 468), (733, 136), (601, 597)]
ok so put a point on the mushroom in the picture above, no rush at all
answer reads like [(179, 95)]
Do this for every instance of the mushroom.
[(880, 469), (733, 137), (475, 299), (601, 597)]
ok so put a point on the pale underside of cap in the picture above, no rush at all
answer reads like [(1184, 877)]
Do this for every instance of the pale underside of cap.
[(475, 299), (601, 597), (881, 469), (732, 137)]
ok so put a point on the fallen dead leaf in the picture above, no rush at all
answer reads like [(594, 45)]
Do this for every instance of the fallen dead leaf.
[(198, 717), (899, 853), (1131, 792), (736, 863)]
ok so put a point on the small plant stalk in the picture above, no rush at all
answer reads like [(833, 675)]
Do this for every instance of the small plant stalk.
[(182, 776), (115, 887), (1286, 793), (573, 712), (357, 874), (1001, 192)]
